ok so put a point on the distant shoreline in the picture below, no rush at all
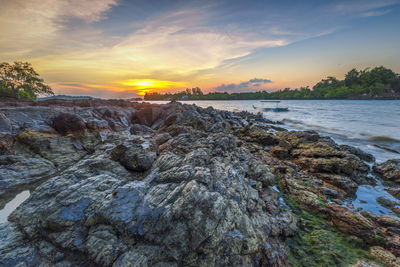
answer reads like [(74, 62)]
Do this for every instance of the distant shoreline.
[(184, 100)]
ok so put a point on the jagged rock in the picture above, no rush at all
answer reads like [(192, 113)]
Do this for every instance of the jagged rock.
[(352, 223), (68, 123), (260, 135), (14, 250), (358, 152), (389, 170), (394, 191), (384, 256), (137, 154), (139, 129), (169, 185), (387, 220), (366, 264)]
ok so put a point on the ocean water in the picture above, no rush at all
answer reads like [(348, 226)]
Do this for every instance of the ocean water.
[(372, 125)]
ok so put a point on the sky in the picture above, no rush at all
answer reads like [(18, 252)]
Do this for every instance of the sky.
[(123, 49)]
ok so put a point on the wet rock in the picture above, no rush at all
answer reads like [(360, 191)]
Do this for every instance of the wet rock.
[(394, 191), (389, 170), (387, 220), (260, 135), (389, 204), (358, 152), (386, 202), (352, 223)]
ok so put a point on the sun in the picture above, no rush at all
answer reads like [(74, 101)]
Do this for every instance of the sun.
[(143, 86), (147, 83)]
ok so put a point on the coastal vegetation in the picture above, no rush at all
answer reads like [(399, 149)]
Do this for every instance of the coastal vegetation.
[(367, 83), (19, 80)]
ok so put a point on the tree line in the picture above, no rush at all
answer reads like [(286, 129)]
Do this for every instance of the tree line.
[(19, 80), (367, 83)]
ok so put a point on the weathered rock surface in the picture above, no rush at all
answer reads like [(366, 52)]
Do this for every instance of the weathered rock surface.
[(389, 170), (153, 193), (129, 184)]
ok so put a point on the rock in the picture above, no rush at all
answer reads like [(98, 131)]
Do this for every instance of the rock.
[(5, 124), (389, 170), (147, 115), (384, 256), (260, 135), (352, 223), (138, 129), (174, 185), (358, 152), (366, 264), (97, 125), (387, 220), (279, 152), (162, 138), (137, 154), (68, 123), (394, 191), (386, 202), (14, 251)]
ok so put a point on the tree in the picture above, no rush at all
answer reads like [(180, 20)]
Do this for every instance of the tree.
[(20, 80), (352, 78)]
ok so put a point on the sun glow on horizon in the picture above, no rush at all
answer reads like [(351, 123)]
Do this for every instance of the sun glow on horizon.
[(143, 86)]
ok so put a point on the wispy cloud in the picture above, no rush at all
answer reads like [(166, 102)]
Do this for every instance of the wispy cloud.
[(253, 84), (98, 45), (27, 27), (375, 13), (362, 6)]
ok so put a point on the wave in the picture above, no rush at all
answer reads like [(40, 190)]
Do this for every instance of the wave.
[(386, 148), (380, 138), (383, 142)]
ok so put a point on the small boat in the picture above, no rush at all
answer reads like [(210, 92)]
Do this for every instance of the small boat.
[(273, 109)]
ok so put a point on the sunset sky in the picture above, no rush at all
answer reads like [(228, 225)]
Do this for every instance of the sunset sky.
[(121, 48)]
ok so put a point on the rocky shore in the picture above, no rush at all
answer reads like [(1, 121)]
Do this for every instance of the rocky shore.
[(116, 183)]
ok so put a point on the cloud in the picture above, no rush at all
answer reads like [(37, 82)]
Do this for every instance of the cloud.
[(375, 13), (362, 6), (86, 44), (255, 80), (253, 84), (83, 89), (176, 44), (27, 27)]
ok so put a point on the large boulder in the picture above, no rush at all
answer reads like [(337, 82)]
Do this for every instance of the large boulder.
[(66, 123), (136, 154)]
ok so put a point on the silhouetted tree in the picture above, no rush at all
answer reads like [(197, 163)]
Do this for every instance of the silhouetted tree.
[(20, 80)]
